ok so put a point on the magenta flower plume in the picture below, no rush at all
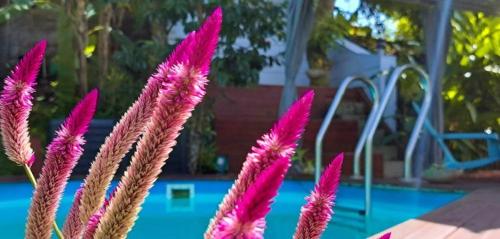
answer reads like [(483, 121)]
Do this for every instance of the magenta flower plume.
[(386, 236), (179, 95), (16, 103), (280, 142), (316, 214), (126, 133), (62, 156), (207, 39), (72, 226), (247, 220)]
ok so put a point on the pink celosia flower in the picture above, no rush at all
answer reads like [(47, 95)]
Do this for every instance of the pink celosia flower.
[(126, 133), (15, 106), (96, 218), (178, 97), (247, 219), (72, 226), (316, 214), (280, 142), (386, 236), (62, 155)]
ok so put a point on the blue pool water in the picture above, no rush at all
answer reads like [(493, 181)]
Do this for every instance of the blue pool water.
[(162, 218)]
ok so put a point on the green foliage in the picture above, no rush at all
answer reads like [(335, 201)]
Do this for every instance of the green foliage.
[(237, 64), (259, 22), (301, 162), (207, 158), (138, 58), (472, 83), (120, 91), (14, 8), (326, 30), (472, 80), (64, 66), (7, 167)]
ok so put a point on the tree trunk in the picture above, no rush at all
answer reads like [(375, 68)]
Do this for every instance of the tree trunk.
[(194, 149), (199, 122), (81, 30), (103, 42), (299, 25)]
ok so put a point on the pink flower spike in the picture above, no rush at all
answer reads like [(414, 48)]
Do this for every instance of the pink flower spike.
[(316, 214), (280, 142), (31, 161), (72, 226), (329, 180), (247, 220), (94, 221), (178, 96), (176, 102), (291, 126), (80, 117), (27, 69), (206, 41), (62, 156), (386, 236), (198, 48), (16, 103), (130, 127), (125, 134)]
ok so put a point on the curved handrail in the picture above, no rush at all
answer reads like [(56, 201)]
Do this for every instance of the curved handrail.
[(331, 112), (426, 87)]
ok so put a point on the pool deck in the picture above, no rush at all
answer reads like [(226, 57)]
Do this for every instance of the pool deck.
[(476, 215)]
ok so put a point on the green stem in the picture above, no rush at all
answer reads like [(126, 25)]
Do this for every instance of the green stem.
[(32, 179)]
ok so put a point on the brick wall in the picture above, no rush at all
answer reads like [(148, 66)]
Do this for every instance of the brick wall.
[(242, 115)]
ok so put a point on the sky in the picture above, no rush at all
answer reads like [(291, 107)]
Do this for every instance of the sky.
[(350, 6)]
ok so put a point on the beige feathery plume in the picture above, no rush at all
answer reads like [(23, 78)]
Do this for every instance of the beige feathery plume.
[(176, 104), (184, 89), (124, 134), (119, 142), (72, 227)]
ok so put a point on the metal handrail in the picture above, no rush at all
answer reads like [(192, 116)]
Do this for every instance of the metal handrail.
[(364, 135), (426, 87)]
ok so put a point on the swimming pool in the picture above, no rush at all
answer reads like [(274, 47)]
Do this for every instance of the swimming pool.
[(184, 218)]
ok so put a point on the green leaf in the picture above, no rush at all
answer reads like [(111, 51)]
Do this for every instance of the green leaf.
[(89, 50), (484, 48), (464, 61)]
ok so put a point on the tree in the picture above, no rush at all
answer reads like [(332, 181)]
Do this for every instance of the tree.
[(254, 22), (90, 33)]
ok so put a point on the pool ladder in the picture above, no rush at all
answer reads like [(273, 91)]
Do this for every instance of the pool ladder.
[(366, 137)]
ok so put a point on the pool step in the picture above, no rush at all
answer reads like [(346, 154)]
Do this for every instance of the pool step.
[(180, 191), (180, 197), (349, 220)]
